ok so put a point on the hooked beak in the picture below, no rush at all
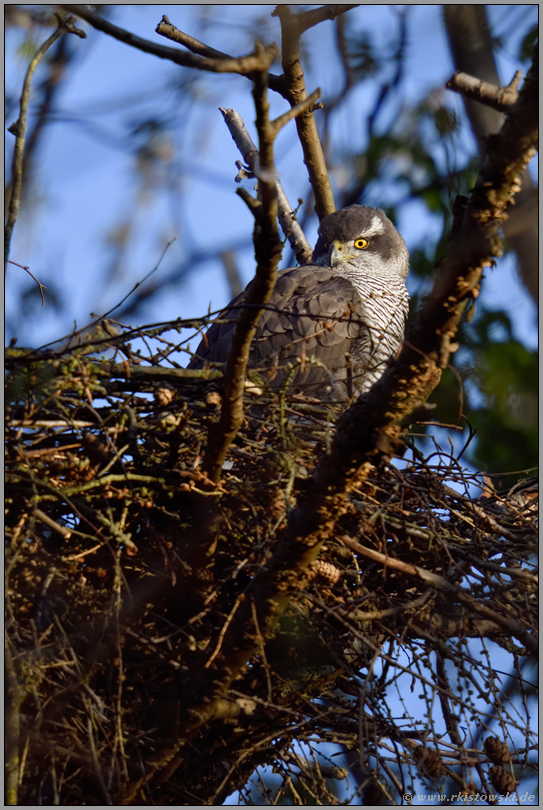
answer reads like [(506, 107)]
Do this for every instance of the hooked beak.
[(335, 256)]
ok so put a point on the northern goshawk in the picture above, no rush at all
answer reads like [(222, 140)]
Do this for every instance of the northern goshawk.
[(338, 320)]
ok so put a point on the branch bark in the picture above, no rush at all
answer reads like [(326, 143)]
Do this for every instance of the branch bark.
[(471, 46), (498, 98), (292, 26)]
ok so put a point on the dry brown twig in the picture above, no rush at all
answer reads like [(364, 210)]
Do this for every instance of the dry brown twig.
[(41, 287)]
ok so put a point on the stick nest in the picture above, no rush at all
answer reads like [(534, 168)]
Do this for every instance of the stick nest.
[(110, 611)]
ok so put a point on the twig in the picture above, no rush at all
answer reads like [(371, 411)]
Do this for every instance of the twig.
[(96, 763), (41, 286), (222, 634), (262, 651), (499, 98), (166, 29), (18, 128), (106, 342), (298, 109), (289, 225), (63, 530)]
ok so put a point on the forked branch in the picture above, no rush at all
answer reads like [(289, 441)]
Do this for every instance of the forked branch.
[(292, 230), (244, 65), (292, 26)]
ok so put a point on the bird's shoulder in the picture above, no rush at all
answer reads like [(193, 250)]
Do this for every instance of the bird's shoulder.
[(312, 310), (308, 295)]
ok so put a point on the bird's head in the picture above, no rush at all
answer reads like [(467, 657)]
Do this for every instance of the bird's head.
[(360, 239)]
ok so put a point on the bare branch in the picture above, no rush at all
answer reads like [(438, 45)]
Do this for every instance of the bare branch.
[(245, 66), (166, 29), (295, 92), (499, 98), (252, 204), (18, 128), (170, 31), (267, 254), (292, 230)]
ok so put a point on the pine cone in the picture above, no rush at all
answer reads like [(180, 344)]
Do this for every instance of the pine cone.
[(502, 780), (497, 751), (163, 395), (324, 572), (430, 761)]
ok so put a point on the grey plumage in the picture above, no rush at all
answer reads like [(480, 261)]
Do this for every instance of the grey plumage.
[(351, 301)]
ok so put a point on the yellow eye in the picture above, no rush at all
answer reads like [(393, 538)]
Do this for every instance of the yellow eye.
[(361, 243)]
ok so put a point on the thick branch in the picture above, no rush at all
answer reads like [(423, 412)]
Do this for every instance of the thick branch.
[(267, 254), (292, 230), (470, 41), (295, 92), (499, 98)]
